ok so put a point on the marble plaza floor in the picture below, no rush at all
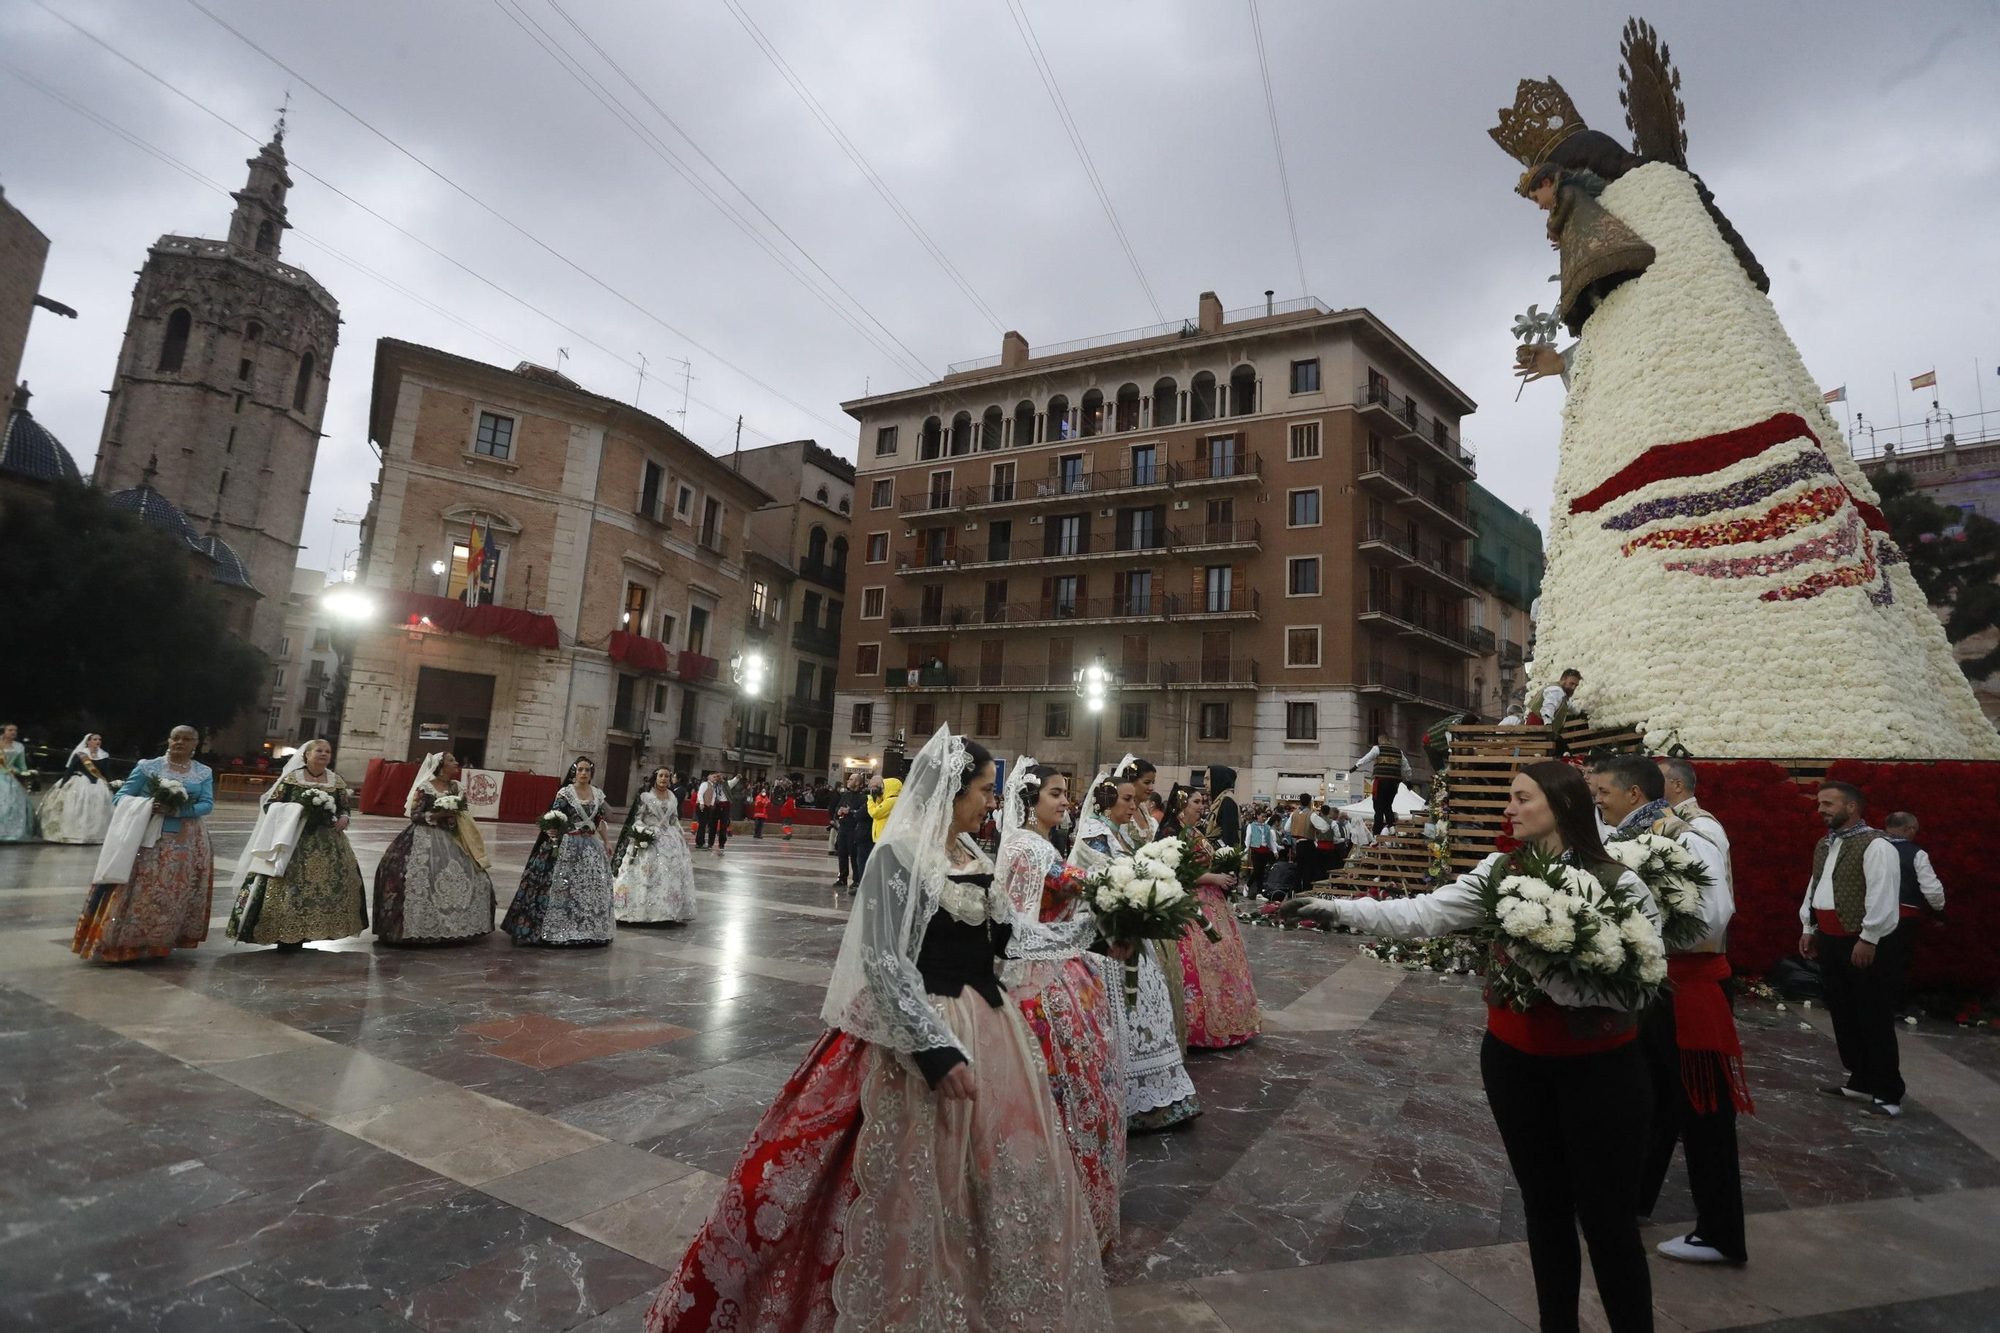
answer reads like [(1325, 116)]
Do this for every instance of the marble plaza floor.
[(358, 1139)]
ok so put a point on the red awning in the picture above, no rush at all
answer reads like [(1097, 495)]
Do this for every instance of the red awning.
[(530, 629), (640, 652)]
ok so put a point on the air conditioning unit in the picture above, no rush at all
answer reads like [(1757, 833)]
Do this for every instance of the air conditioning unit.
[(1107, 513), (1181, 504), (1035, 522), (909, 532), (972, 527)]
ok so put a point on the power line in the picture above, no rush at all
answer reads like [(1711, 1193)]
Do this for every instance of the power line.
[(861, 163), (1048, 77), (567, 262), (175, 163), (552, 46), (1278, 142)]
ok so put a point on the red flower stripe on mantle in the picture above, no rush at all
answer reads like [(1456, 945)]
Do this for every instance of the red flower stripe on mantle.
[(1693, 458)]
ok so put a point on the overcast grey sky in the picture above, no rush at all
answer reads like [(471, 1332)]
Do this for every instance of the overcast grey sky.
[(1854, 145)]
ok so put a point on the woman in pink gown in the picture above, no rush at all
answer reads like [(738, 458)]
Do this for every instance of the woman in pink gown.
[(1221, 997)]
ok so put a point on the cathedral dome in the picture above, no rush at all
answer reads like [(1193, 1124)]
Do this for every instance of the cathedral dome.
[(30, 451), (228, 565), (156, 511)]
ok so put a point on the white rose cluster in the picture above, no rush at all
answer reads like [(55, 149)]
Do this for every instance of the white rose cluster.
[(1837, 664)]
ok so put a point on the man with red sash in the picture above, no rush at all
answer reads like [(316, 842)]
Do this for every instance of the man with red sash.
[(1852, 906), (1689, 1034)]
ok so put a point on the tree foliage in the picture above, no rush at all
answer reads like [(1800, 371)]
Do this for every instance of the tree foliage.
[(1955, 557), (113, 626)]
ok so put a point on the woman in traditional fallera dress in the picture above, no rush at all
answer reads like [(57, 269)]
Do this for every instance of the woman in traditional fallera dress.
[(78, 808), (913, 1175), (654, 880), (17, 805), (1221, 996), (565, 893), (434, 884), (1158, 1092), (1067, 1005), (320, 895), (163, 902), (1566, 1081)]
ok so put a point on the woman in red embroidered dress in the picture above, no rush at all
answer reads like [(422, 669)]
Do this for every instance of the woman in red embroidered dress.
[(1067, 1005), (1221, 995), (1567, 1084), (913, 1174)]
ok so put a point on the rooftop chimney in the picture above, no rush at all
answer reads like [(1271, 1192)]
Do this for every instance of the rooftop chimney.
[(1269, 309), (1210, 317), (1013, 350)]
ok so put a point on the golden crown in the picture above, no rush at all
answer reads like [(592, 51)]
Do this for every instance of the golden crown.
[(1542, 117)]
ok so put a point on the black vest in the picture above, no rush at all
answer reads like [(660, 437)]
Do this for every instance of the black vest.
[(1910, 893)]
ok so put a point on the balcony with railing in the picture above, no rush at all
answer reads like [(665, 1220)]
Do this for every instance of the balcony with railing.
[(820, 572), (1437, 502), (1386, 476), (1404, 616), (815, 639), (1420, 560), (695, 667), (760, 623), (1056, 487), (1401, 683), (1380, 403), (1197, 673), (807, 708), (1483, 641), (714, 542), (756, 742), (1237, 603), (1512, 654), (1245, 533)]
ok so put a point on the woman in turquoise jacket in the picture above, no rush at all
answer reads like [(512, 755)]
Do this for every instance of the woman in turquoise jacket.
[(164, 905)]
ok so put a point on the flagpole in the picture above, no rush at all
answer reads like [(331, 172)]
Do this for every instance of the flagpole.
[(1896, 383), (1979, 387)]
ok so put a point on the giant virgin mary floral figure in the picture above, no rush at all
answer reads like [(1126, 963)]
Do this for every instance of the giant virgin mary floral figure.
[(1717, 566)]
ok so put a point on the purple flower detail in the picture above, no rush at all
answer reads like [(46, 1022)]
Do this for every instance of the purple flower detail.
[(1745, 492), (1835, 545)]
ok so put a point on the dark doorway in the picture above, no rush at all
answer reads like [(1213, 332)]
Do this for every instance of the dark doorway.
[(456, 703), (617, 773)]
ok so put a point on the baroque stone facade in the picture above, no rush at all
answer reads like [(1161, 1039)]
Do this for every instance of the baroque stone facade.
[(220, 392)]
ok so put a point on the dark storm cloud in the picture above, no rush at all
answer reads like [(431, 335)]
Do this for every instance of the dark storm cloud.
[(1846, 141)]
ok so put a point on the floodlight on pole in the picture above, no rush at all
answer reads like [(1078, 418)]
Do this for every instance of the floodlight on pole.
[(1095, 683)]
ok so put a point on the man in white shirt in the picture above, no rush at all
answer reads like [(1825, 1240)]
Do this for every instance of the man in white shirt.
[(1851, 906), (1679, 778), (1689, 1034), (704, 809), (1920, 893), (1555, 704)]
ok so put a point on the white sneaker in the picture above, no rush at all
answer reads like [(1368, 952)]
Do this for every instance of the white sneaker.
[(1691, 1249), (1887, 1110)]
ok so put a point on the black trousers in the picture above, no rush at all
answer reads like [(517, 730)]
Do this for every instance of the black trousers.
[(757, 821), (1707, 1139), (719, 828), (1385, 801), (1574, 1127), (1900, 946), (704, 825), (850, 844), (1862, 1003)]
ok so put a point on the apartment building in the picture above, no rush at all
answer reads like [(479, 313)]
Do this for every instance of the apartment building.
[(549, 572), (1256, 519), (1507, 569), (306, 669)]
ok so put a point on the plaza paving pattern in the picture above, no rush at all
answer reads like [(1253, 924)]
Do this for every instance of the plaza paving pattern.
[(357, 1138)]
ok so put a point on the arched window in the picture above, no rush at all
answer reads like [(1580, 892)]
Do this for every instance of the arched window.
[(253, 332), (839, 555), (1057, 426), (267, 238), (1128, 408), (929, 441), (989, 428), (1166, 402), (845, 504), (816, 545), (304, 385), (1024, 423), (1201, 397), (1093, 412), (820, 495), (1242, 391), (961, 434), (174, 350)]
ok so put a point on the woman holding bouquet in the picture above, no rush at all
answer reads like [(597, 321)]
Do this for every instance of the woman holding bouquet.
[(1158, 1092), (1068, 1005), (913, 1175), (163, 903), (1568, 1086), (655, 880), (565, 893), (433, 885), (320, 895), (78, 809), (17, 807), (1221, 997)]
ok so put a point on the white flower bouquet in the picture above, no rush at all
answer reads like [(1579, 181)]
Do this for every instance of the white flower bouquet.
[(639, 835), (448, 805), (1224, 859), (1546, 919), (1677, 878), (1139, 897), (171, 796), (553, 821), (322, 807)]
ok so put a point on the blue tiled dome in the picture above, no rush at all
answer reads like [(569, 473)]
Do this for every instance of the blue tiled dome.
[(228, 565), (157, 511), (31, 451)]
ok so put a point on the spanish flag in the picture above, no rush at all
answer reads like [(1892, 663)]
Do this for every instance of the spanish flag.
[(1927, 380)]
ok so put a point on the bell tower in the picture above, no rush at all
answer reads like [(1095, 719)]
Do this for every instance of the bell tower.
[(258, 224)]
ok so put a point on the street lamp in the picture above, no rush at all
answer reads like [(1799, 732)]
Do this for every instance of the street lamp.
[(1095, 684), (747, 671)]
